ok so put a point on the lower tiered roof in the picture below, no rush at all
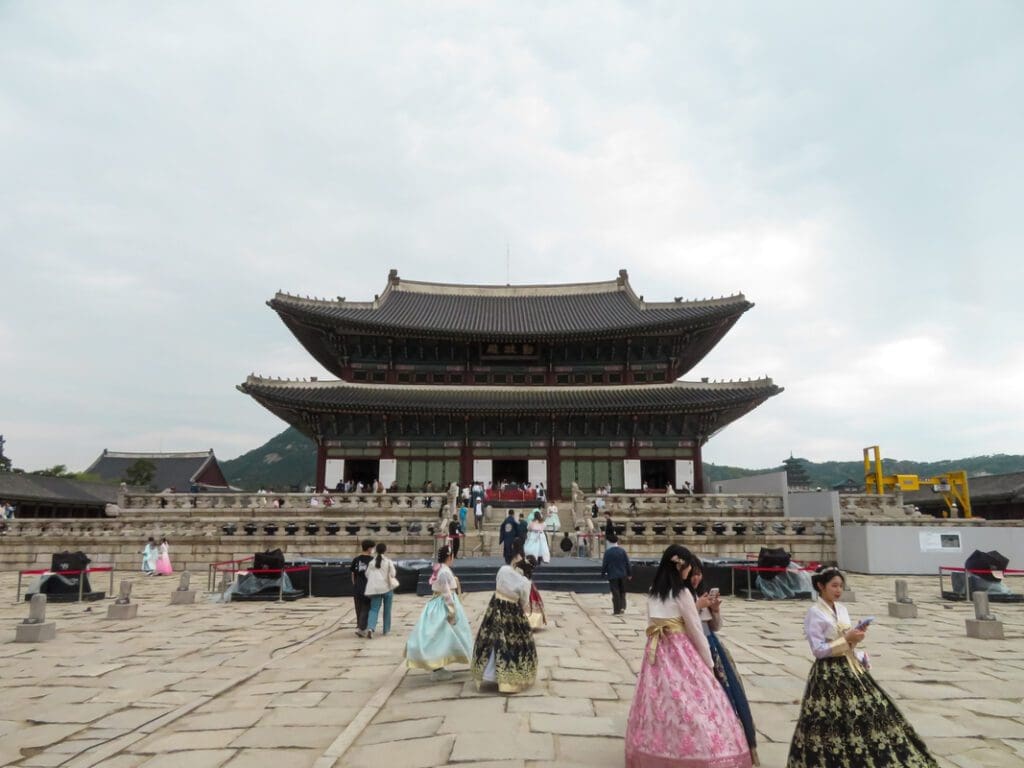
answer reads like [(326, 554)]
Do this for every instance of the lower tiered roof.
[(342, 396)]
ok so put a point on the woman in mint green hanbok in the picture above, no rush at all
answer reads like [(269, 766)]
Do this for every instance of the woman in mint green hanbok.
[(442, 635)]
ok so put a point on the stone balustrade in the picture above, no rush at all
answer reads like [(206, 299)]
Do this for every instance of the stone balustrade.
[(196, 542), (205, 505), (719, 504)]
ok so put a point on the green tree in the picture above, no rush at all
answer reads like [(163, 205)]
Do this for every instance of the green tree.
[(141, 473), (57, 470)]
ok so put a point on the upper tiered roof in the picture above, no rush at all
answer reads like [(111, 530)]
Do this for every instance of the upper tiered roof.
[(525, 312)]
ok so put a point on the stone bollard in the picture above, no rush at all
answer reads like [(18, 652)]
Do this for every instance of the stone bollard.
[(183, 595), (984, 625), (904, 607), (36, 629), (123, 607)]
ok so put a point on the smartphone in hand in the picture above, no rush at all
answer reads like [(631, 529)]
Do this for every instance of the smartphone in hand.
[(864, 623)]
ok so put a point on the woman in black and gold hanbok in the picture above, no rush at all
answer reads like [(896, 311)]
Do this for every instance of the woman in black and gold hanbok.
[(504, 652), (846, 719)]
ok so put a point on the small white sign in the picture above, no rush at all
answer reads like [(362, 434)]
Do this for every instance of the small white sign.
[(940, 541)]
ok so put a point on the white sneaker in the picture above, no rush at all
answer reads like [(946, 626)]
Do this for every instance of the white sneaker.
[(442, 674), (360, 633)]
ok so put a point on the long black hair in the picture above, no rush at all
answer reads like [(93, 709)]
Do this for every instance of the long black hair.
[(696, 567), (381, 549), (667, 580), (444, 553), (526, 566)]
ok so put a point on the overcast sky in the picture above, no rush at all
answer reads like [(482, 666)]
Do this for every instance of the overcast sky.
[(855, 171)]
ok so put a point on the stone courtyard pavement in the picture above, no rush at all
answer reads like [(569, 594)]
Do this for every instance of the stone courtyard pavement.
[(284, 685)]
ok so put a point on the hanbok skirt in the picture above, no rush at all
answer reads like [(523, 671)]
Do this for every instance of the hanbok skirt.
[(434, 643), (847, 721), (504, 652), (537, 545), (163, 565), (680, 716), (537, 618), (732, 684)]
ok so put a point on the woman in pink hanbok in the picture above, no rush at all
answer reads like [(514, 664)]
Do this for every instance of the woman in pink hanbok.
[(163, 560), (680, 716)]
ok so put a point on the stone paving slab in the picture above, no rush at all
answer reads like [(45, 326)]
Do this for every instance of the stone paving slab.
[(279, 684)]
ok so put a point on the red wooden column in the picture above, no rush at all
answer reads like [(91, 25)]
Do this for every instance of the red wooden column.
[(698, 468), (466, 458), (554, 481), (321, 467)]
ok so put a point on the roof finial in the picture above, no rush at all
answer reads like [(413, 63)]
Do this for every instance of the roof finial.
[(393, 277)]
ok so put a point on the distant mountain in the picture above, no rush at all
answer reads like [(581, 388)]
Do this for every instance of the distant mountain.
[(289, 461), (829, 473), (285, 462)]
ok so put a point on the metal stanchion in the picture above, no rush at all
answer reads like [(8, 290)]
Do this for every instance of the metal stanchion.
[(280, 586), (17, 597), (81, 584), (110, 589)]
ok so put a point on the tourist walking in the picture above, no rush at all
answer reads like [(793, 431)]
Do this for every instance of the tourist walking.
[(478, 514), (537, 539), (163, 559), (442, 635), (709, 607), (615, 567), (507, 536), (358, 568), (454, 535), (680, 716), (846, 719), (150, 552), (504, 652), (381, 583)]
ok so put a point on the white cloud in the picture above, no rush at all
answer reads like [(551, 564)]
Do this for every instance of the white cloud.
[(166, 169)]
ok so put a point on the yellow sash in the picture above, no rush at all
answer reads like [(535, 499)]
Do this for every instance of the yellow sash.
[(659, 627), (507, 598)]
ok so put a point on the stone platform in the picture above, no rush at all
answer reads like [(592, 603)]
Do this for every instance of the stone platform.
[(290, 685)]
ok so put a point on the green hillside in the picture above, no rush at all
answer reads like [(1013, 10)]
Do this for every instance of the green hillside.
[(285, 462), (289, 461)]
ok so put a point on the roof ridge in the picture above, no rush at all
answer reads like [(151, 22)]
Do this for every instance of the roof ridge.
[(318, 383), (157, 455)]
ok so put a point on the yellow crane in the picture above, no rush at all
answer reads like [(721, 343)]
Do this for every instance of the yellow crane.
[(952, 485)]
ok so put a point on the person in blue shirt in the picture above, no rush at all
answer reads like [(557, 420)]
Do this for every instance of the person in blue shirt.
[(615, 568)]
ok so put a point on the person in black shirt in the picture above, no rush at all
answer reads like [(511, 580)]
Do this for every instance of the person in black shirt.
[(362, 602)]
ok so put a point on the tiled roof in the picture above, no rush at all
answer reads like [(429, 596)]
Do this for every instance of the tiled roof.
[(341, 396), (173, 470), (1005, 487), (24, 487), (509, 311)]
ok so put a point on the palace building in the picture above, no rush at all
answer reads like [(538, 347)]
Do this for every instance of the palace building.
[(549, 384)]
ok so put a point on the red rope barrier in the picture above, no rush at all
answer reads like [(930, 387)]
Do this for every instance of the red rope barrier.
[(290, 569), (98, 569)]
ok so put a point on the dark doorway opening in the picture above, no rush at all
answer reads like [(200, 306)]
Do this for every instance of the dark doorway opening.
[(511, 471), (658, 474), (363, 471)]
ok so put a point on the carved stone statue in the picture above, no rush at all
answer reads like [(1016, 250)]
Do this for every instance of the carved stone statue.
[(981, 612), (124, 596), (183, 583), (902, 592), (36, 610)]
